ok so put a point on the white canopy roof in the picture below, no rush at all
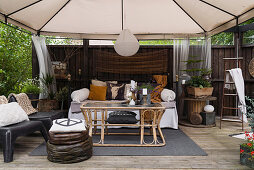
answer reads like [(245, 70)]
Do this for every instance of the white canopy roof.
[(147, 19)]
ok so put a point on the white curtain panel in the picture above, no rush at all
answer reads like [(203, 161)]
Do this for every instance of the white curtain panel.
[(45, 65), (182, 50), (181, 53)]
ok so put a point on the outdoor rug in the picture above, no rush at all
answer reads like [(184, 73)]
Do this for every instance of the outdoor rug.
[(177, 144)]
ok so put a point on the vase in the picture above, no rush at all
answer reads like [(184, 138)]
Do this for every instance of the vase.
[(245, 157)]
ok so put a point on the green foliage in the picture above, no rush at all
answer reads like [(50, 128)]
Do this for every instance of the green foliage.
[(15, 59), (224, 38), (147, 86), (250, 110), (198, 81), (48, 81), (62, 94), (31, 86)]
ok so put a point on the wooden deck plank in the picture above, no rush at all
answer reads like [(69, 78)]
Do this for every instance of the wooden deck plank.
[(222, 150)]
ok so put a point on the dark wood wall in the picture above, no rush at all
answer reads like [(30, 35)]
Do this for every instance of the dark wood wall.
[(84, 58)]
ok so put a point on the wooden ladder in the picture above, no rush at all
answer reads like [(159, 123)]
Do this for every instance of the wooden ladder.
[(228, 63)]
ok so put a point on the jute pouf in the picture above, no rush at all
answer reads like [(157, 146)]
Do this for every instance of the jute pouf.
[(69, 145)]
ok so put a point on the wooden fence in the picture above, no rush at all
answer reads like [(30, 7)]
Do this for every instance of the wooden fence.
[(82, 66)]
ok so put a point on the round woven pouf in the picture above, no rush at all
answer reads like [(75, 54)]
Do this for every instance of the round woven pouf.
[(69, 147)]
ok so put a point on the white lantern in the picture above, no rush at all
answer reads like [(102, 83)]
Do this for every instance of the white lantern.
[(208, 108), (126, 44)]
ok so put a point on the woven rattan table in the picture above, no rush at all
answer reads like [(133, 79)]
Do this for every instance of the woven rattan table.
[(154, 110)]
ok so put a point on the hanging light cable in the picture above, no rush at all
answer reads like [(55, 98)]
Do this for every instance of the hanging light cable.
[(126, 43)]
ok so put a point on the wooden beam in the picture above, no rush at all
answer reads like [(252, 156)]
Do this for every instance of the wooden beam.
[(35, 63), (86, 65)]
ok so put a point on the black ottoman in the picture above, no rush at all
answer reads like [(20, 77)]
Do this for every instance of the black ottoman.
[(8, 135), (47, 117)]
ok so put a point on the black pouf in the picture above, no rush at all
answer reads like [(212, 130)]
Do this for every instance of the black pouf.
[(122, 117)]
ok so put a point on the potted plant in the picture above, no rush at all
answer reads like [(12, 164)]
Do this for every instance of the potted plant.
[(62, 96), (32, 88), (199, 87), (50, 103), (247, 151)]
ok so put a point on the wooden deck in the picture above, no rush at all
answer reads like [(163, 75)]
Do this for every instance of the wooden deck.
[(223, 153)]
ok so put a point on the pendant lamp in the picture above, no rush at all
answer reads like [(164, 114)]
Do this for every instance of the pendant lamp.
[(126, 44)]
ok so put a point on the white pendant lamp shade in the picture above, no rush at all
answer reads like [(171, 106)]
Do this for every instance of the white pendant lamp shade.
[(126, 44)]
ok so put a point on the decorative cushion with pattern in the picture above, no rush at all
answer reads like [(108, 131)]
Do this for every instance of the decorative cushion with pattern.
[(68, 125), (23, 101), (3, 100), (102, 83), (115, 91), (122, 117)]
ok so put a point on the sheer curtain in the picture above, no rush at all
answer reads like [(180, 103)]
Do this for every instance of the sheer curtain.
[(45, 65), (183, 51)]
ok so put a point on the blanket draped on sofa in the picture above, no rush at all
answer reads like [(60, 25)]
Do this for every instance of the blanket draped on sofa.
[(156, 93)]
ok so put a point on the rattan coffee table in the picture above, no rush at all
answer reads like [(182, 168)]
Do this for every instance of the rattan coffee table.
[(154, 110)]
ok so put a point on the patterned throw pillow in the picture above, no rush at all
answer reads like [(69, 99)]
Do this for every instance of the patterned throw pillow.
[(102, 83), (115, 91), (3, 100), (23, 101)]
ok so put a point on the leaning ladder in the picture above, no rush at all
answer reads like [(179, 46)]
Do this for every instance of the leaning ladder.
[(228, 63)]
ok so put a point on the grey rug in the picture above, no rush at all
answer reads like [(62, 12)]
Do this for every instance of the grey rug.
[(177, 144)]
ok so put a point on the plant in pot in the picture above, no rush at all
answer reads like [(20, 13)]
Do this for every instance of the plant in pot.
[(199, 85), (62, 96), (50, 103), (32, 88)]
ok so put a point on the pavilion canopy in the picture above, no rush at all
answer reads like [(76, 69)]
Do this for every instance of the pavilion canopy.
[(147, 19)]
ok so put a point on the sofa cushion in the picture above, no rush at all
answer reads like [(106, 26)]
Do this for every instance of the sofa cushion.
[(115, 91), (80, 95), (122, 117), (168, 95), (23, 101), (102, 83), (3, 100), (11, 113), (68, 125), (97, 92)]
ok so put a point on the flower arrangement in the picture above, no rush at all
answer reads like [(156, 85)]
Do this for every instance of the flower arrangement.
[(247, 150)]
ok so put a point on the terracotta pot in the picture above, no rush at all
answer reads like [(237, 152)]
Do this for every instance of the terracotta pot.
[(197, 92)]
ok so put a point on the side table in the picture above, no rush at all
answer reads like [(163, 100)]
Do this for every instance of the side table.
[(196, 105)]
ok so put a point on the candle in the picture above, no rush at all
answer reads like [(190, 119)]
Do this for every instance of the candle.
[(144, 91), (183, 81), (132, 85)]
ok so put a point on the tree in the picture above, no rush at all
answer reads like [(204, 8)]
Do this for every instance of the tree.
[(15, 59)]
